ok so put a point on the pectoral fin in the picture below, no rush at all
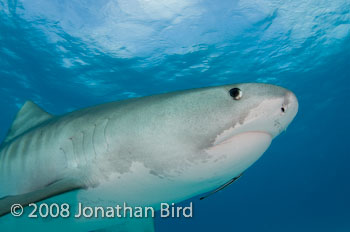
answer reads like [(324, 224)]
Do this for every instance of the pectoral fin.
[(53, 189)]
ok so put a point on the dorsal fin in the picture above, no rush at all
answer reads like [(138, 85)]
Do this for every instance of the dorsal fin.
[(29, 116)]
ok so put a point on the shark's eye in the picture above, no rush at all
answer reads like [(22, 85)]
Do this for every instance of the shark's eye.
[(236, 93)]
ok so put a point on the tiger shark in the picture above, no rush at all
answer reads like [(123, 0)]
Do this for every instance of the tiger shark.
[(143, 151)]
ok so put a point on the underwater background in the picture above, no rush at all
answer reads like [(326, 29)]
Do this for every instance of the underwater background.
[(69, 54)]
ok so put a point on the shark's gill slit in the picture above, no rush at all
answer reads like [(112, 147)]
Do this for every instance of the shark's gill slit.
[(74, 152), (104, 134), (93, 140), (84, 152), (82, 142), (65, 156)]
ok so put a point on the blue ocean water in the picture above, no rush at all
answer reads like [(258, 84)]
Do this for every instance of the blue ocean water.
[(65, 55)]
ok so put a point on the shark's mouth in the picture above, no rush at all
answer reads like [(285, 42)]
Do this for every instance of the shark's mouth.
[(225, 139), (241, 149)]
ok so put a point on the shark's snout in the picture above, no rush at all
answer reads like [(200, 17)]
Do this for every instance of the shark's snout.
[(289, 109), (290, 103)]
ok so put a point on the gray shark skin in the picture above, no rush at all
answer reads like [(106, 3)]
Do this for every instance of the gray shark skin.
[(143, 151)]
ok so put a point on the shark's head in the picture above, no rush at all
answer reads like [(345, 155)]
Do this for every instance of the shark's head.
[(192, 141), (214, 134)]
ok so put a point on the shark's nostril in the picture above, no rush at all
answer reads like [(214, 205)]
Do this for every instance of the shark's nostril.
[(283, 109)]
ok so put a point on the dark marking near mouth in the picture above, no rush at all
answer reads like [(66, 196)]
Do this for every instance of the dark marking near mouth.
[(222, 186)]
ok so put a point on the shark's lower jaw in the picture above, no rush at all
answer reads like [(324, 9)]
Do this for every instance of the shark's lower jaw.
[(241, 150), (249, 136)]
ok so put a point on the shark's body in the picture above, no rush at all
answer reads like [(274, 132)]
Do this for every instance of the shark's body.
[(162, 148)]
